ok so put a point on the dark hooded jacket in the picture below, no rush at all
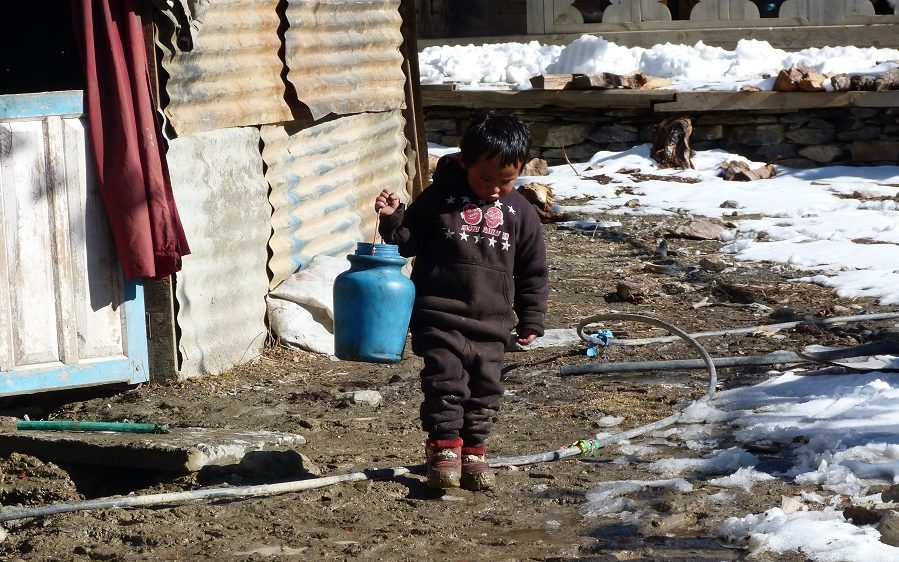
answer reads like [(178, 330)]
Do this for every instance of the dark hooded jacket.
[(475, 262)]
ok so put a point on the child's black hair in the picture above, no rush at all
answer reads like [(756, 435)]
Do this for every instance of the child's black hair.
[(490, 135)]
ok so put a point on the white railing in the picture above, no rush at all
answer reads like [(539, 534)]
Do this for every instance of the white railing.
[(561, 16)]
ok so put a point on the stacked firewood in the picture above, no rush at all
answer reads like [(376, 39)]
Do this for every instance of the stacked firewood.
[(801, 78), (602, 81)]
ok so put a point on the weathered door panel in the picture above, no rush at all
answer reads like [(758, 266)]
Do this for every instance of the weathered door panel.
[(67, 317)]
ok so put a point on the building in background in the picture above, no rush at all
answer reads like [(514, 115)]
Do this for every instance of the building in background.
[(787, 24)]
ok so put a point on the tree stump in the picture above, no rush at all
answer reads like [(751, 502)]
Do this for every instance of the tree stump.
[(671, 143), (541, 197)]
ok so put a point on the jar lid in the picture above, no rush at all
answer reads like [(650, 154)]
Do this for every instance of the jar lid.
[(381, 250)]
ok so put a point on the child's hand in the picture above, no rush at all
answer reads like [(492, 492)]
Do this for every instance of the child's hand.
[(386, 203), (526, 337)]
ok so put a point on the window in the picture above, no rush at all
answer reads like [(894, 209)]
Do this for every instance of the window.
[(37, 48)]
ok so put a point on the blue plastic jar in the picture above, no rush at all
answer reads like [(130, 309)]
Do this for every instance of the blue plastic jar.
[(372, 305)]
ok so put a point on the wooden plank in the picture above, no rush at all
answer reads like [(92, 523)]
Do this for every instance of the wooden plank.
[(875, 31), (135, 326), (623, 12), (27, 215), (417, 149), (56, 376), (548, 14), (20, 106), (6, 321), (677, 26), (607, 80), (526, 99), (562, 11), (448, 86), (61, 255), (774, 101), (95, 267), (553, 81), (826, 12), (535, 17), (774, 26), (876, 99), (713, 10), (657, 83), (149, 29), (161, 338)]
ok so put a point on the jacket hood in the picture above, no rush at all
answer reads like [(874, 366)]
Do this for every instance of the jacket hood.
[(449, 170)]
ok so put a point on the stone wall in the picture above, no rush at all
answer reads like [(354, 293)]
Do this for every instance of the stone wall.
[(804, 138)]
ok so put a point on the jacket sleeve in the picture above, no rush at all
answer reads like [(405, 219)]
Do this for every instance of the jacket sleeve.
[(531, 277), (402, 229)]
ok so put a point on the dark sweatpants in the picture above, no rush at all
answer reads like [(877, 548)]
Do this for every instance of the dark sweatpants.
[(461, 384)]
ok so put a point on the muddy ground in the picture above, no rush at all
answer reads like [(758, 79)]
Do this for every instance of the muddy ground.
[(537, 512)]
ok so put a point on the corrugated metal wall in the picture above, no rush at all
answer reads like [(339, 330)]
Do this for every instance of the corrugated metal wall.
[(232, 75), (324, 181), (222, 197), (343, 57), (334, 57)]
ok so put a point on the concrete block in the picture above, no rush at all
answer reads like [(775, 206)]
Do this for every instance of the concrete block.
[(181, 450)]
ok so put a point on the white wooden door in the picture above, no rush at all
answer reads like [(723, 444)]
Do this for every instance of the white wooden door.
[(67, 317)]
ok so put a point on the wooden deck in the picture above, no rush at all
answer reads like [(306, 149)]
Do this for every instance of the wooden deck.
[(667, 101)]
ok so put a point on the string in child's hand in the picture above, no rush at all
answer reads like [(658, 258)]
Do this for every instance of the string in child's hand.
[(374, 238)]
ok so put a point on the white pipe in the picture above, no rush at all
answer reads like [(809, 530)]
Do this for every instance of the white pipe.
[(7, 514), (727, 332)]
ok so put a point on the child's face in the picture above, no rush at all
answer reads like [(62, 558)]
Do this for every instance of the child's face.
[(489, 180)]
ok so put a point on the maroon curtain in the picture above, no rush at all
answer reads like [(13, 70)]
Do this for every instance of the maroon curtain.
[(126, 139)]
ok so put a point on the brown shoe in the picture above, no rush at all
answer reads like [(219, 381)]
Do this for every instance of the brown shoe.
[(444, 458), (476, 473)]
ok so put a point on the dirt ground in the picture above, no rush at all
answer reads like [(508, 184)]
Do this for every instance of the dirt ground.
[(537, 512)]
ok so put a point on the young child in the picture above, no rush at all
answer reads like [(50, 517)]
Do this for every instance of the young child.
[(479, 255)]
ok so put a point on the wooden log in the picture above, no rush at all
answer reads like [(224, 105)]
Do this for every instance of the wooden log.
[(734, 170), (444, 86), (841, 82), (812, 81), (863, 83), (600, 81), (553, 81), (631, 81), (787, 80), (540, 195), (654, 82), (671, 143), (888, 80), (731, 168), (801, 78)]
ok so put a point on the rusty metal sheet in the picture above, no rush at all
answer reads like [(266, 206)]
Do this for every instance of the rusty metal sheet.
[(222, 197), (232, 75), (343, 57), (324, 181)]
